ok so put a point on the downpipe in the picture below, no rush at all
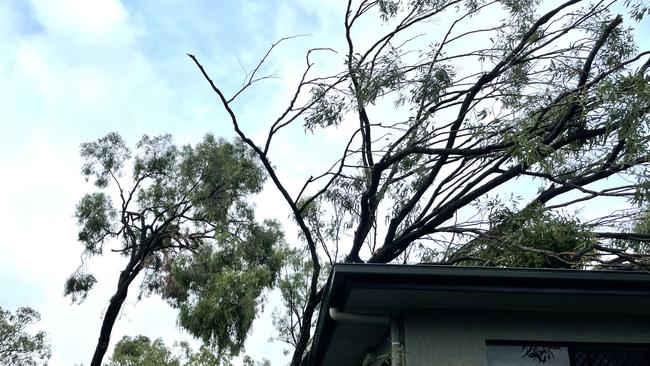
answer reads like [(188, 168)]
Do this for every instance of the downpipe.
[(395, 340)]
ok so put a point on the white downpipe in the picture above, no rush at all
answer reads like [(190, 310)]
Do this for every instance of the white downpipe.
[(395, 341), (359, 318)]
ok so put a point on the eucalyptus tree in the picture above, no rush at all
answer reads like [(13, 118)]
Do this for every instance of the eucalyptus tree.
[(453, 104), (142, 351), (182, 219), (18, 346)]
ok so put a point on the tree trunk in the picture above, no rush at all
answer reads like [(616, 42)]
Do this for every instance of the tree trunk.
[(112, 312)]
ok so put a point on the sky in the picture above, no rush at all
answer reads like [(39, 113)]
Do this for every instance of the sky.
[(72, 71)]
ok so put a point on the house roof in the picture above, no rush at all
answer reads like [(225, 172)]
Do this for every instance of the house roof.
[(394, 289)]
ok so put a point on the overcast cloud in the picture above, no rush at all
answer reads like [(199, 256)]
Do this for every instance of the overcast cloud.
[(74, 70)]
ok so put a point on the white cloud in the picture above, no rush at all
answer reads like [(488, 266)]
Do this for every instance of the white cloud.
[(84, 68), (96, 19), (79, 74)]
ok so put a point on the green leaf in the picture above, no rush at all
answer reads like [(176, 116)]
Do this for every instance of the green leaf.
[(95, 217), (19, 346), (104, 158)]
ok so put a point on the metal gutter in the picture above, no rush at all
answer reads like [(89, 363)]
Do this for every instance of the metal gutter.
[(344, 277)]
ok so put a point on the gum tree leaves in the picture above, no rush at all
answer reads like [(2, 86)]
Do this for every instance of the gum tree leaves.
[(183, 219), (18, 346)]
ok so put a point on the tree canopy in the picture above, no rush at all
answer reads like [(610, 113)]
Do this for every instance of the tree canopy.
[(182, 219), (142, 351), (482, 130), (18, 346)]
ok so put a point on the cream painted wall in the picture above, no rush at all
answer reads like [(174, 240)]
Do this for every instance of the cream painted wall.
[(453, 338)]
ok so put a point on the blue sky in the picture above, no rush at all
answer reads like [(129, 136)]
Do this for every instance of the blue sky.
[(74, 70)]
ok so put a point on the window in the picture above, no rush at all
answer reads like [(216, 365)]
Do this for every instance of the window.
[(566, 354)]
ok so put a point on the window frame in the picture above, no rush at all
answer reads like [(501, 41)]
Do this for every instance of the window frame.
[(573, 347)]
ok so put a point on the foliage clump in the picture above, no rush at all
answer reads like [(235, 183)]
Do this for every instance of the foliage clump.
[(18, 346), (532, 238), (183, 219)]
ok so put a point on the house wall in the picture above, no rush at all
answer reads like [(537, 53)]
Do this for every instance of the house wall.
[(452, 338)]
